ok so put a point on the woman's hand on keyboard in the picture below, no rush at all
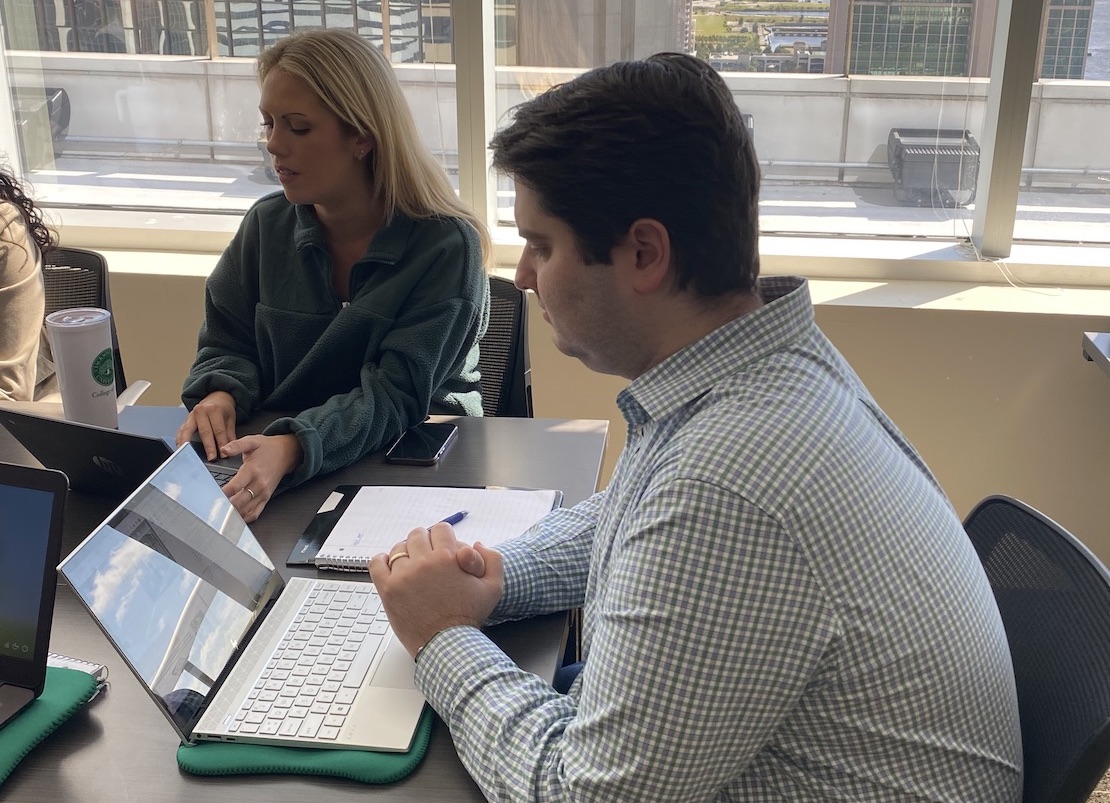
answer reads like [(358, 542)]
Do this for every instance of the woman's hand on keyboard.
[(213, 421), (266, 459)]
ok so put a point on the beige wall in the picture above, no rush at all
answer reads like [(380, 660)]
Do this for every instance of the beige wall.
[(997, 402), (157, 319)]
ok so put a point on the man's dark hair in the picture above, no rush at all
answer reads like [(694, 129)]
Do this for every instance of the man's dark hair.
[(659, 138)]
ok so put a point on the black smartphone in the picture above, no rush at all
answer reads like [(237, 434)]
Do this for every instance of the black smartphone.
[(422, 445)]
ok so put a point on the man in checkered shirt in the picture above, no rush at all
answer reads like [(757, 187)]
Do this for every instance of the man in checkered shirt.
[(779, 603)]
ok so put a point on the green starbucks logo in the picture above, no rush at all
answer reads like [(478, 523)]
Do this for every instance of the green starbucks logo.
[(103, 371)]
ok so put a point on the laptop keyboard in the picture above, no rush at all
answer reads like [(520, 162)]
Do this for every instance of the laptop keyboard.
[(221, 475), (309, 683)]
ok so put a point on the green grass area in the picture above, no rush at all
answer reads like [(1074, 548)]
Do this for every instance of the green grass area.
[(779, 19), (764, 7), (709, 25), (762, 13), (732, 43)]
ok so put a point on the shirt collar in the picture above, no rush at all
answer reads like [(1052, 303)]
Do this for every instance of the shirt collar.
[(388, 244), (786, 316)]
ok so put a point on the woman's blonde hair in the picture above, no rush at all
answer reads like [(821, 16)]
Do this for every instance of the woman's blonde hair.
[(356, 81)]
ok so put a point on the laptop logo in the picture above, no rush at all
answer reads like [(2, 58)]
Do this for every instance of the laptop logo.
[(107, 466)]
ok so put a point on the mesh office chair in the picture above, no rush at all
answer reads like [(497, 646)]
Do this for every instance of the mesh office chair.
[(1054, 596), (74, 277), (503, 353)]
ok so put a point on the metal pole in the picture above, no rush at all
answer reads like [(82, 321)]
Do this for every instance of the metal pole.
[(1013, 71), (386, 49), (210, 29), (475, 98)]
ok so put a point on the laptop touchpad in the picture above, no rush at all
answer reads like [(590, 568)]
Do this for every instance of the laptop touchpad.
[(231, 463)]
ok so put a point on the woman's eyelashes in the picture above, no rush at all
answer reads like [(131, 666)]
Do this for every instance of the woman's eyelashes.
[(268, 128)]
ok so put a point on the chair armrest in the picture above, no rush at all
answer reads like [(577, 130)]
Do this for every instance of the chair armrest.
[(132, 393)]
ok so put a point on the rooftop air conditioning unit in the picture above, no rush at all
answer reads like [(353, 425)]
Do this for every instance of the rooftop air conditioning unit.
[(933, 167), (38, 111)]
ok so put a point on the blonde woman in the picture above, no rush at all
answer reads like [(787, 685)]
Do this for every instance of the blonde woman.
[(26, 371), (354, 298)]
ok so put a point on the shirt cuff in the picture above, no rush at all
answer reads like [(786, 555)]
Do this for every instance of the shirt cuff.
[(453, 662), (307, 439), (196, 390)]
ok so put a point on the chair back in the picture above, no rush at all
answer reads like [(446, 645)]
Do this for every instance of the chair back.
[(1054, 597), (503, 353), (75, 277)]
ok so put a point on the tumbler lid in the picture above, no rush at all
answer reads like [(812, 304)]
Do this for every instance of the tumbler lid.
[(78, 316)]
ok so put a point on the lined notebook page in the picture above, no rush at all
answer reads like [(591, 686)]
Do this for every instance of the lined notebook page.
[(381, 515)]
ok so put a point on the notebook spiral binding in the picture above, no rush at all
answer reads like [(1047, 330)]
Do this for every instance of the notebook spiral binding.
[(342, 564)]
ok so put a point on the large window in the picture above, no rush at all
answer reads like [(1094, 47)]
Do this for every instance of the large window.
[(870, 117), (117, 106)]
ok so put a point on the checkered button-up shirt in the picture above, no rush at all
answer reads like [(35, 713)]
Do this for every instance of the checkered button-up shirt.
[(779, 603)]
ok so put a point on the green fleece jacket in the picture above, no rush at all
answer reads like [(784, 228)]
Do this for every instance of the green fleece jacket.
[(276, 336)]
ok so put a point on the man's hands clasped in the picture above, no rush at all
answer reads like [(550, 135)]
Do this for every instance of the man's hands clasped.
[(432, 581)]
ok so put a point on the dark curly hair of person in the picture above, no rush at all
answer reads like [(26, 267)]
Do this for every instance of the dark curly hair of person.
[(12, 191)]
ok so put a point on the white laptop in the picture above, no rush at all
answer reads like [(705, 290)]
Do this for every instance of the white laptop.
[(228, 651)]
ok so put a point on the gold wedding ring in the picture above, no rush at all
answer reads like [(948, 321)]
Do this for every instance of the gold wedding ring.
[(396, 557), (248, 490)]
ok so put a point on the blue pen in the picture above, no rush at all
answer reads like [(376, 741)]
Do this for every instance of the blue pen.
[(455, 518)]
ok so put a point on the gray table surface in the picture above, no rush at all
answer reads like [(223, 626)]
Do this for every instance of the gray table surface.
[(120, 748)]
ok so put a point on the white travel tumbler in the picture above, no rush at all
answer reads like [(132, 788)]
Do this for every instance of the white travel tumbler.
[(81, 342)]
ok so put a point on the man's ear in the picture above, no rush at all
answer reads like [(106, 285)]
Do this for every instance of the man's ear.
[(650, 242)]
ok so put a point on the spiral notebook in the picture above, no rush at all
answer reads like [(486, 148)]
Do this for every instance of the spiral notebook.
[(378, 516)]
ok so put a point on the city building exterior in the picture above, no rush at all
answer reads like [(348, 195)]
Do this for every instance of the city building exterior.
[(542, 33), (945, 37), (1067, 32), (865, 37)]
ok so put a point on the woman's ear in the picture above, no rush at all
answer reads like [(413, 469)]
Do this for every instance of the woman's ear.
[(364, 144)]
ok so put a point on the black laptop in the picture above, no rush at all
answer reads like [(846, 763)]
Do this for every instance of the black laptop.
[(31, 505), (110, 462)]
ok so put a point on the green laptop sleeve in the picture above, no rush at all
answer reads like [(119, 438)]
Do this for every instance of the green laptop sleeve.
[(66, 690), (220, 758)]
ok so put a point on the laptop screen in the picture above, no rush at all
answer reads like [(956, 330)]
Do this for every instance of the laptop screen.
[(24, 544), (32, 501), (176, 579)]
